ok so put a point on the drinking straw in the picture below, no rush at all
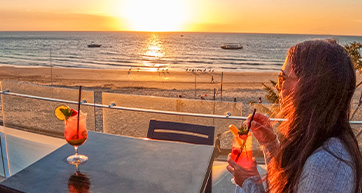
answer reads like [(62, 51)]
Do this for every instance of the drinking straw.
[(252, 117), (249, 126), (80, 95)]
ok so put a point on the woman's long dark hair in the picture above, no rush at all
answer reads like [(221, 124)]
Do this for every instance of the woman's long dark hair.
[(317, 110)]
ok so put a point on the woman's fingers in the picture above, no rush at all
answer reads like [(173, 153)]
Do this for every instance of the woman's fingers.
[(255, 125), (230, 169), (262, 133), (232, 162), (232, 165), (263, 120), (259, 117), (241, 173)]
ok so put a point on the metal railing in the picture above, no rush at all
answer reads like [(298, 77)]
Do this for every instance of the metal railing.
[(113, 106)]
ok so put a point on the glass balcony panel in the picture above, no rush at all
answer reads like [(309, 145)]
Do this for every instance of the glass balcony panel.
[(38, 115), (24, 148), (131, 123)]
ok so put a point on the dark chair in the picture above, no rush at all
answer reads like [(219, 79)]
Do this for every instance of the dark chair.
[(184, 132)]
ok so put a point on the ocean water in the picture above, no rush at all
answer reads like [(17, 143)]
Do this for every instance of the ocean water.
[(151, 51)]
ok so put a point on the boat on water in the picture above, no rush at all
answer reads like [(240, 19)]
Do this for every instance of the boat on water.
[(232, 46), (93, 45)]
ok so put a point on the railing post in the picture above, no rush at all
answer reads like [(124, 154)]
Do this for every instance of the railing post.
[(222, 77), (51, 66), (98, 112), (214, 93), (195, 85)]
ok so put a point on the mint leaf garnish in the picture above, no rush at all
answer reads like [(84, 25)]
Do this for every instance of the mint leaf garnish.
[(243, 130), (66, 112)]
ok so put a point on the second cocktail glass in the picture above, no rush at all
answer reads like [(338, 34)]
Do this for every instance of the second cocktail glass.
[(76, 135), (242, 152)]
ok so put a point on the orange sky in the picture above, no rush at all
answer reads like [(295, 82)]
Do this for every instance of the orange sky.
[(338, 17)]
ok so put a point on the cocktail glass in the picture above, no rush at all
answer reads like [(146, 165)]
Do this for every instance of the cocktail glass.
[(242, 152), (76, 135)]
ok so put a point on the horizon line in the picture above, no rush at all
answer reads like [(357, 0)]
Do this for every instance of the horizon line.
[(355, 35)]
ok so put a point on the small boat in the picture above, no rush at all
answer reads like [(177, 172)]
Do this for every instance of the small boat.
[(232, 46), (93, 45)]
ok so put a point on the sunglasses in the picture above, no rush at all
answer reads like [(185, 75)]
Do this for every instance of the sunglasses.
[(281, 78)]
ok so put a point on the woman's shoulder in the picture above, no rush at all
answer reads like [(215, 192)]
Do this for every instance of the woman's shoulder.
[(333, 150), (332, 159), (330, 167)]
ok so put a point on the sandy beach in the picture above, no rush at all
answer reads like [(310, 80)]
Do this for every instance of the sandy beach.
[(113, 78), (244, 86), (162, 83)]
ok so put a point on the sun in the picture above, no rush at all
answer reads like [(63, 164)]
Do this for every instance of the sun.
[(155, 15)]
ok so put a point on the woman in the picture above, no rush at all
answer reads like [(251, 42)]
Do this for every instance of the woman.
[(318, 151)]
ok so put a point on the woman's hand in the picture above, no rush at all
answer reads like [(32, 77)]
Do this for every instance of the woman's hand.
[(261, 128), (241, 173)]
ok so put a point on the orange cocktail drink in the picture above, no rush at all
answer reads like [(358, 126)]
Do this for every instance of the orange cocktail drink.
[(73, 134), (241, 151)]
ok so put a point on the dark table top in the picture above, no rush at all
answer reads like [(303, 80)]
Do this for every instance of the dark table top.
[(119, 164)]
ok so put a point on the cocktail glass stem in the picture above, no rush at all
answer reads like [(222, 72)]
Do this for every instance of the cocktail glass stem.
[(77, 159), (76, 151)]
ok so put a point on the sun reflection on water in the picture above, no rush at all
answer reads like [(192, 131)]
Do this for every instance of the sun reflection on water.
[(153, 54)]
